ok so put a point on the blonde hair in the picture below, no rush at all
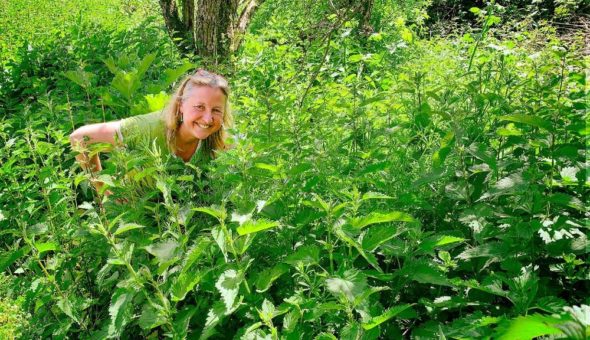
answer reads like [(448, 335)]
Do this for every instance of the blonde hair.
[(172, 115)]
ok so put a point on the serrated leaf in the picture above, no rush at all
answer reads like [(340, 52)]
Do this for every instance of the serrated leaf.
[(375, 195), (228, 286), (66, 306), (151, 317), (481, 152), (431, 243), (267, 311), (46, 246), (9, 257), (215, 211), (350, 285), (376, 321), (182, 320), (529, 120), (377, 217), (492, 249), (307, 255), (184, 283), (270, 167), (253, 226), (342, 235), (424, 272), (126, 227), (120, 311), (164, 251), (194, 253), (378, 235), (529, 327), (265, 278), (368, 292)]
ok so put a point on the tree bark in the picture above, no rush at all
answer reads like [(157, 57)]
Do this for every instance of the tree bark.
[(214, 20), (365, 17), (210, 28), (177, 29)]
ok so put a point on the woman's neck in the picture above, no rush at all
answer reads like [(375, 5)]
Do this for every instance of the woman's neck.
[(186, 145)]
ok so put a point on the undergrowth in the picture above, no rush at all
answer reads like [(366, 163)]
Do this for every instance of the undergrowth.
[(385, 187)]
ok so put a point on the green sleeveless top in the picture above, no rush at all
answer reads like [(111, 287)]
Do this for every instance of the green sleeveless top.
[(144, 130)]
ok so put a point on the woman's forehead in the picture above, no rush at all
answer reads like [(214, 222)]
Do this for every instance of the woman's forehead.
[(205, 94)]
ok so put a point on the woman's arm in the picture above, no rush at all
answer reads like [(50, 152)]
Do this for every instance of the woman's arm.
[(89, 134)]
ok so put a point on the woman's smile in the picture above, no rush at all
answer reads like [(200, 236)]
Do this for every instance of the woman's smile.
[(202, 111)]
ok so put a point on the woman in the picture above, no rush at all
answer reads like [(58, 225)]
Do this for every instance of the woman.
[(194, 121)]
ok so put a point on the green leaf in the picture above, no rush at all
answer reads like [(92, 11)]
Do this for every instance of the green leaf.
[(307, 255), (66, 306), (374, 195), (120, 311), (228, 285), (126, 227), (291, 319), (215, 211), (368, 292), (184, 283), (529, 120), (8, 258), (214, 316), (342, 235), (355, 58), (152, 316), (351, 332), (429, 244), (376, 321), (529, 327), (194, 253), (127, 83), (481, 152), (157, 101), (172, 75), (378, 235), (377, 217), (145, 64), (270, 167), (267, 312), (182, 320), (424, 272), (350, 285), (265, 278), (253, 226), (47, 246), (492, 249), (164, 251), (80, 77)]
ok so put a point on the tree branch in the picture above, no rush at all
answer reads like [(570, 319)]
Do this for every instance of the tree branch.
[(239, 29)]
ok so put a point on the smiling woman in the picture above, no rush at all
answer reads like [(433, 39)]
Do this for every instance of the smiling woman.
[(194, 121)]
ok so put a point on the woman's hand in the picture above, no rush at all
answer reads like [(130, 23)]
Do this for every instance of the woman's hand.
[(90, 134)]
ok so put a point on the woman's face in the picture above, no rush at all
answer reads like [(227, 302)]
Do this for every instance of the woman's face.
[(202, 108)]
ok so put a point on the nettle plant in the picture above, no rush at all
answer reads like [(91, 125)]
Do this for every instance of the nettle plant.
[(409, 189)]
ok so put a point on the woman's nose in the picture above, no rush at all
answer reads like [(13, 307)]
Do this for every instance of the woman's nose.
[(208, 116)]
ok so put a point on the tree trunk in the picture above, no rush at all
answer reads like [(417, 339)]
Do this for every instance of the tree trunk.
[(177, 29), (212, 29), (213, 23), (365, 17)]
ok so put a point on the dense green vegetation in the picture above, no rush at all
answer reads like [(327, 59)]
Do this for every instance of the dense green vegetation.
[(383, 185)]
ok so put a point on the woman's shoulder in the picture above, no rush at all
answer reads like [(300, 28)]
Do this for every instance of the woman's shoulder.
[(146, 126), (142, 121)]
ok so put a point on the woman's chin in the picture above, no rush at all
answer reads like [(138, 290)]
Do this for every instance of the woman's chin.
[(202, 134)]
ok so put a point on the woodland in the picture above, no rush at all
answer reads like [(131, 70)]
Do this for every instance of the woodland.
[(399, 169)]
